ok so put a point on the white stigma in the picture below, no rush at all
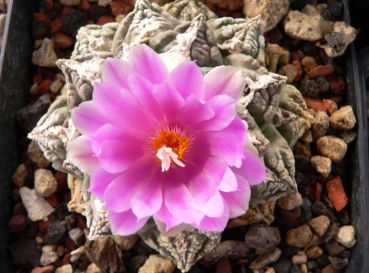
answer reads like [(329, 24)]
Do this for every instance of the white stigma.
[(166, 155)]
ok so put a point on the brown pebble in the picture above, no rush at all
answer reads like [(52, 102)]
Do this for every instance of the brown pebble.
[(300, 236), (44, 269), (290, 201), (62, 40), (308, 63), (332, 147), (321, 70), (20, 175), (126, 242), (334, 248), (320, 224), (299, 259), (104, 20), (329, 269), (321, 164), (331, 105), (314, 252), (315, 104), (343, 118), (223, 266)]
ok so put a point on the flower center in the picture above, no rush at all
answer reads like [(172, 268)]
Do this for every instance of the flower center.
[(170, 147)]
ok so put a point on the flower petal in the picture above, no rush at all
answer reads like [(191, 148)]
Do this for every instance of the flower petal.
[(227, 147), (87, 118), (187, 78), (148, 64), (252, 169), (164, 216), (225, 112), (179, 201), (215, 223), (125, 223), (99, 181), (116, 71), (238, 201), (224, 80), (229, 181), (214, 207), (149, 198), (80, 153), (194, 112), (170, 101), (120, 107), (116, 156)]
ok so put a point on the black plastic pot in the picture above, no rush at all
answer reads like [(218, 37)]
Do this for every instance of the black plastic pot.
[(14, 84), (15, 68)]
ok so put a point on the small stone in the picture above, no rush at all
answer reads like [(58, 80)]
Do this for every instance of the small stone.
[(35, 154), (314, 252), (49, 255), (299, 259), (55, 232), (315, 104), (77, 235), (337, 194), (343, 118), (308, 63), (320, 208), (283, 266), (70, 2), (331, 105), (18, 223), (262, 238), (348, 136), (329, 269), (334, 248), (56, 85), (45, 183), (156, 264), (288, 70), (126, 243), (223, 266), (300, 236), (37, 207), (295, 269), (338, 263), (320, 224), (93, 268), (323, 84), (77, 253), (62, 40), (276, 55), (72, 21), (65, 269), (320, 124), (266, 259), (332, 147), (45, 56), (60, 250), (229, 248), (321, 164), (346, 236), (103, 3), (290, 202), (309, 88), (44, 269), (321, 70), (20, 175)]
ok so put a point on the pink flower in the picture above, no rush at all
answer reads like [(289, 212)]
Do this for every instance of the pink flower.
[(167, 145)]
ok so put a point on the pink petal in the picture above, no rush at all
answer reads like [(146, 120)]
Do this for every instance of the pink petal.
[(87, 118), (202, 187), (99, 181), (238, 201), (227, 147), (194, 112), (188, 80), (170, 101), (148, 64), (165, 217), (239, 128), (125, 223), (178, 200), (252, 169), (229, 181), (116, 71), (118, 193), (217, 224), (225, 112), (149, 198), (116, 156), (80, 153), (119, 106), (214, 207), (224, 80), (143, 92)]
